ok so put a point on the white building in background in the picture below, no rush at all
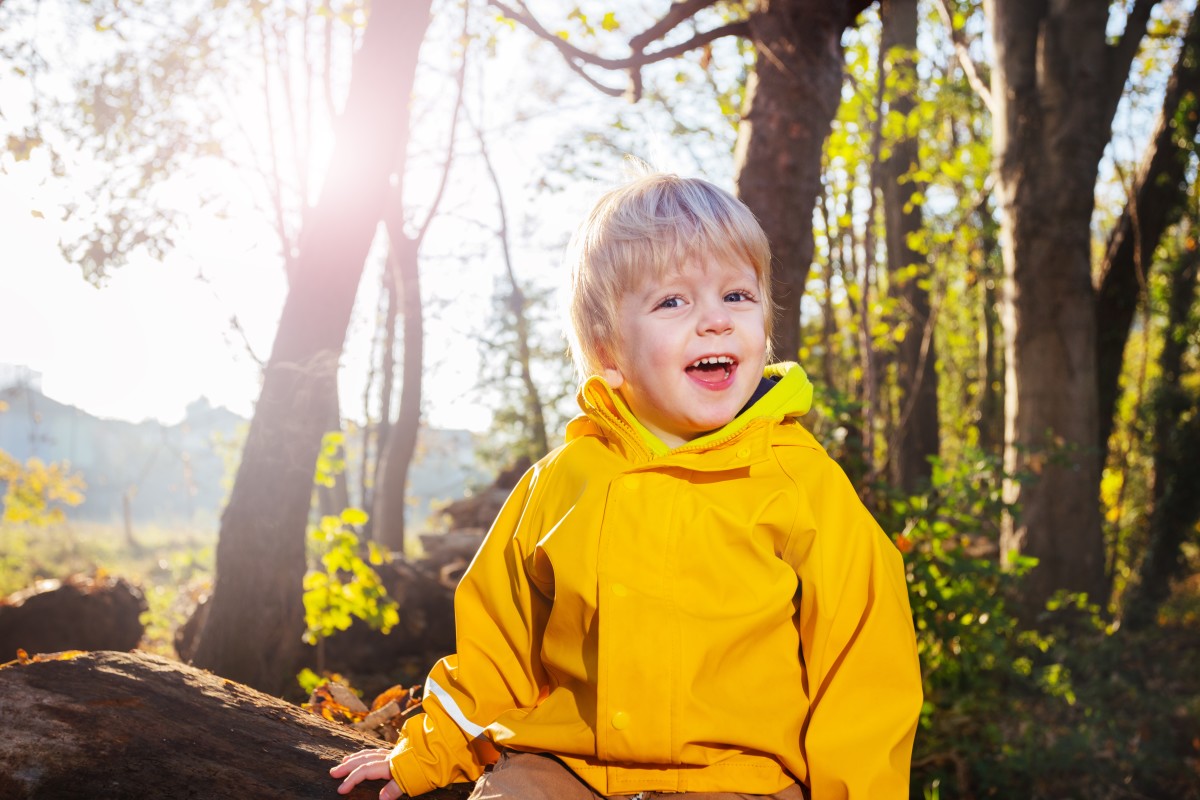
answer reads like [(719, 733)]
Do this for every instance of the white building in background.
[(19, 375)]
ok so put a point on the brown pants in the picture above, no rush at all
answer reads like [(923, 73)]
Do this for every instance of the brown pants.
[(528, 776)]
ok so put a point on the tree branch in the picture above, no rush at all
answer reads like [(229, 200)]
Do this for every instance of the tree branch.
[(962, 49), (576, 57), (1121, 54), (461, 79), (680, 11)]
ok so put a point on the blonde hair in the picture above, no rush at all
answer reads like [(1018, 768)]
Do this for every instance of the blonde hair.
[(654, 224)]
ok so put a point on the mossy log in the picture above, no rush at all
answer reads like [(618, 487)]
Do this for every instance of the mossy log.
[(132, 725)]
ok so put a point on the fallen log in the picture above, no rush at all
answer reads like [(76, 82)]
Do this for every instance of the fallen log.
[(133, 725), (80, 612)]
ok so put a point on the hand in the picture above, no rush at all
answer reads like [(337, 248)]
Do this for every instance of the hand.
[(367, 765)]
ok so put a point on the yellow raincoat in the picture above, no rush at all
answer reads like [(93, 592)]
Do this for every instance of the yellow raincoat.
[(725, 616)]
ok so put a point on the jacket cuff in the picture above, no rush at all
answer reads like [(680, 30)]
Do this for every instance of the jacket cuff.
[(406, 771)]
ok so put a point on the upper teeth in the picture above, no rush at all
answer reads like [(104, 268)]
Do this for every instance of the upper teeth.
[(712, 360)]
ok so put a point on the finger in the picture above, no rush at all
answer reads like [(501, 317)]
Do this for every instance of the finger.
[(390, 792), (370, 771), (353, 760)]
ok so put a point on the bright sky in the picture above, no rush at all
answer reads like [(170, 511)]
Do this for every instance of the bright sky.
[(148, 343), (156, 336)]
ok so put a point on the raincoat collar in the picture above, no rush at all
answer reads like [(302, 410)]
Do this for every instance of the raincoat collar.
[(605, 413)]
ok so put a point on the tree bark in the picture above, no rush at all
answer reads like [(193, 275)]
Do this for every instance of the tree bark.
[(1159, 193), (791, 98), (256, 616), (1055, 85), (134, 725), (916, 438)]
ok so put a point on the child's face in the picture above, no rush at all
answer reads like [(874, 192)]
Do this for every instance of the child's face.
[(692, 348)]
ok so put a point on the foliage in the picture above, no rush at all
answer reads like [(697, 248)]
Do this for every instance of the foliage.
[(1052, 707), (331, 459), (345, 587), (35, 492)]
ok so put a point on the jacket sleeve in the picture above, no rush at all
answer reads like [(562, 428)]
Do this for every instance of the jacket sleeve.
[(499, 619), (857, 641)]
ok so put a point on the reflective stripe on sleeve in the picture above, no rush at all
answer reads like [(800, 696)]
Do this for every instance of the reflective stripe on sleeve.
[(451, 707)]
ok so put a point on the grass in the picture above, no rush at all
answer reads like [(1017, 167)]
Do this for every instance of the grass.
[(172, 565)]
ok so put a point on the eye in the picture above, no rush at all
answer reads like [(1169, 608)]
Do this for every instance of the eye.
[(670, 302), (739, 296)]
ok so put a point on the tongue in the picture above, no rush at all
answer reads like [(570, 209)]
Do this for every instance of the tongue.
[(710, 373)]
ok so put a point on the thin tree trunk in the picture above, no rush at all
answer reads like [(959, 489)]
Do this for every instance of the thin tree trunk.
[(1159, 194), (333, 500), (396, 454), (256, 617), (387, 366), (1176, 453), (829, 330), (916, 439), (391, 489), (535, 417), (1056, 84), (991, 369)]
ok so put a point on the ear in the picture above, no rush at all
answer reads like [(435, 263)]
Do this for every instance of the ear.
[(609, 369)]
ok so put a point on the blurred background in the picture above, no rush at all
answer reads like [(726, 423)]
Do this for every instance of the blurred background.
[(280, 323)]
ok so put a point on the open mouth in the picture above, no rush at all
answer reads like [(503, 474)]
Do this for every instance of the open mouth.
[(712, 369)]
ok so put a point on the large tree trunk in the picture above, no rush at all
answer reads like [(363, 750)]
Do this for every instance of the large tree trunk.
[(791, 98), (132, 725), (1056, 82), (256, 616), (1159, 193), (916, 439)]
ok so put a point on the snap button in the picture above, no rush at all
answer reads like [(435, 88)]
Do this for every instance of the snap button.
[(620, 589), (631, 481), (743, 452), (620, 720)]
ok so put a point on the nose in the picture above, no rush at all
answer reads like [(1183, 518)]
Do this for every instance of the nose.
[(714, 319)]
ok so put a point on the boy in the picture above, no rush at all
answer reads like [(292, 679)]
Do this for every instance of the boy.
[(687, 598)]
